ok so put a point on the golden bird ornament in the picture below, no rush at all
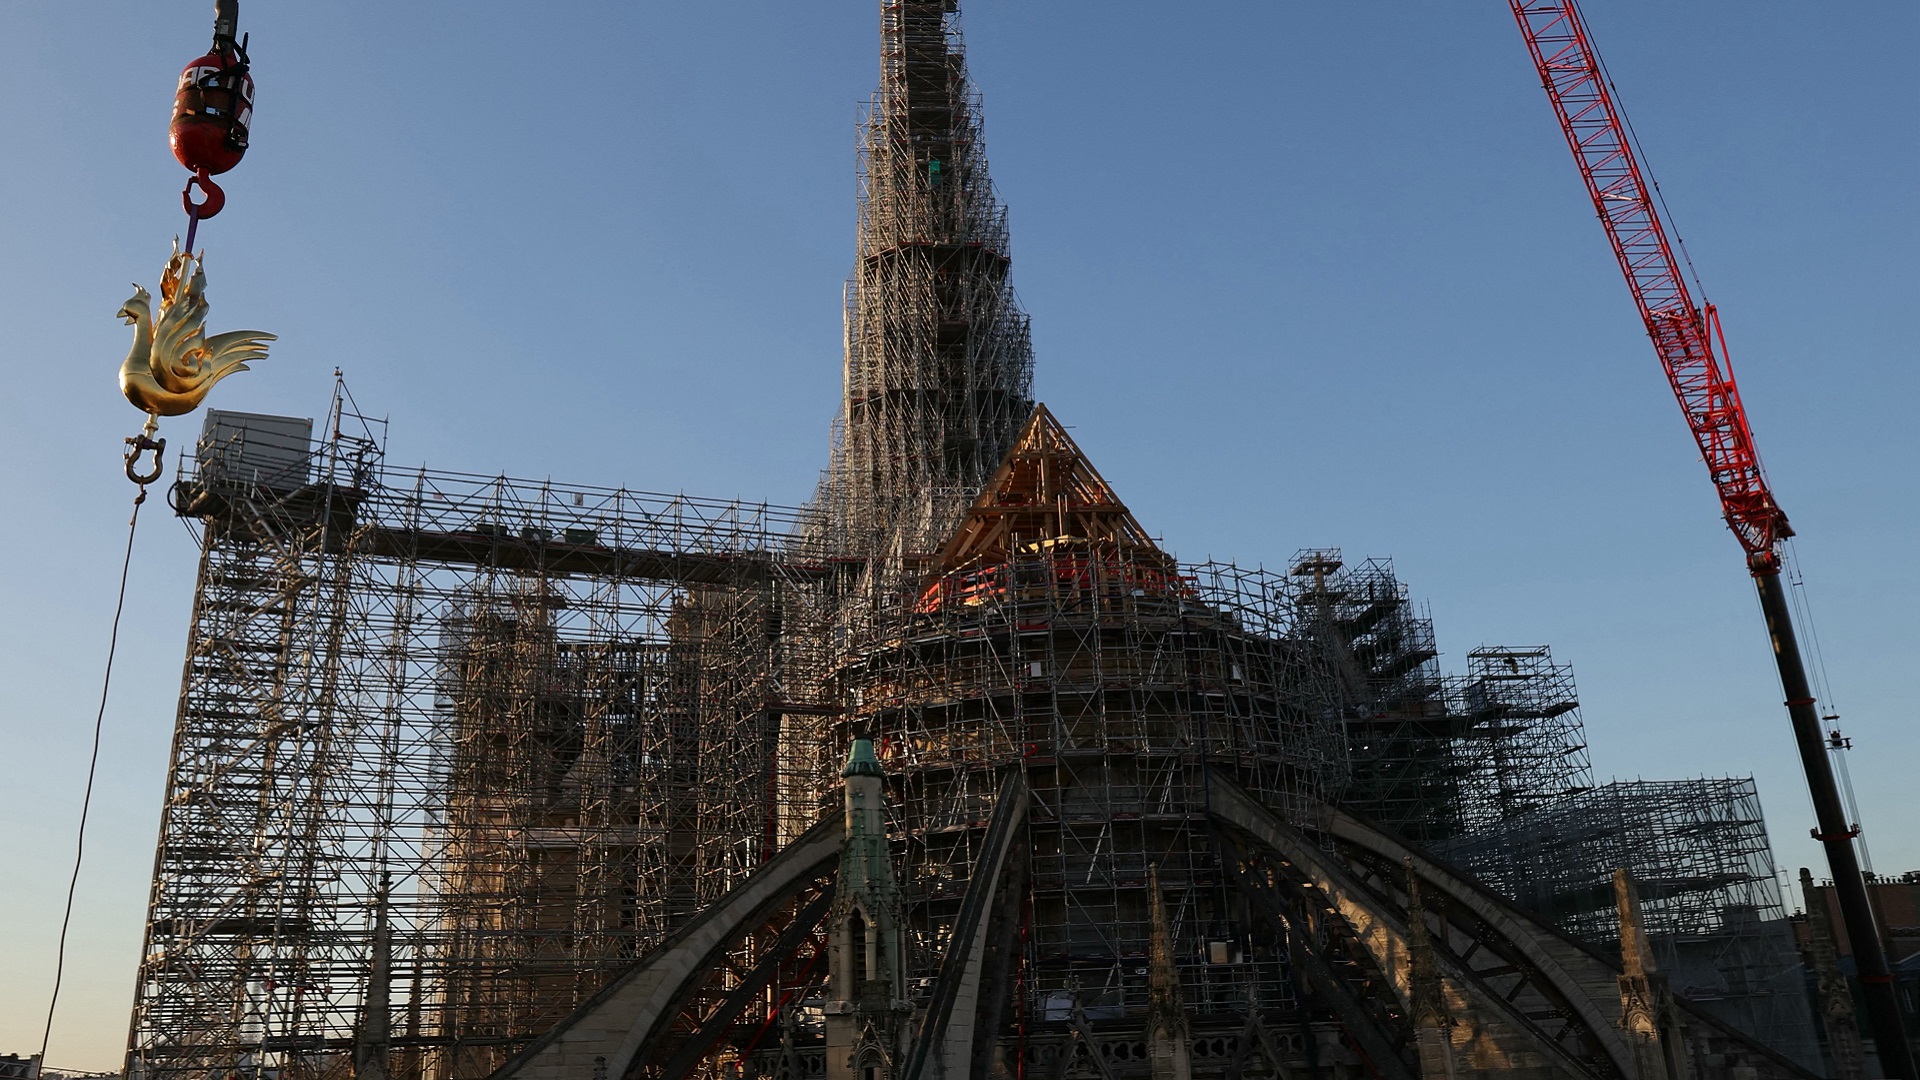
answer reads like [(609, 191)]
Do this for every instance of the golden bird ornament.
[(173, 363)]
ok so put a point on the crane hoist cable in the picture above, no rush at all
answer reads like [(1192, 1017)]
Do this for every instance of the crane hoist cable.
[(93, 766)]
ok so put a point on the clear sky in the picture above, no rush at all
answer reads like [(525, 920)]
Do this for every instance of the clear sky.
[(1301, 274)]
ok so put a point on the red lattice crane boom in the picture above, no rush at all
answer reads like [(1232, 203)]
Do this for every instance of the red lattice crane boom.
[(1685, 336), (1683, 333)]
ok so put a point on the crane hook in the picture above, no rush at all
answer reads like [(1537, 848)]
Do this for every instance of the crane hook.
[(215, 199)]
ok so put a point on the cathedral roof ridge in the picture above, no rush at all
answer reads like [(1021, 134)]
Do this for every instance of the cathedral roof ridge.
[(1045, 493)]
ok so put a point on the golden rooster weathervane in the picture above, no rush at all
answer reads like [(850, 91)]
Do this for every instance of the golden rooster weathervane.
[(173, 363)]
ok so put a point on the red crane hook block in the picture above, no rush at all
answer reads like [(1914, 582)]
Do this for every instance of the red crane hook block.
[(213, 110)]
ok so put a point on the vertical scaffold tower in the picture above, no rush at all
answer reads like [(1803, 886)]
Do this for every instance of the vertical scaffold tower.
[(939, 365), (1523, 744), (1403, 739), (1436, 756), (524, 728)]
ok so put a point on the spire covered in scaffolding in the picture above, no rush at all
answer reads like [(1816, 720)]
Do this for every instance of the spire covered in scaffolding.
[(939, 366)]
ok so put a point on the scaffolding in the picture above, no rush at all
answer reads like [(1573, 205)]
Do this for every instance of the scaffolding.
[(1057, 642), (1710, 897), (1111, 699), (1436, 756), (1522, 743), (532, 726), (1490, 768), (939, 363), (1402, 736)]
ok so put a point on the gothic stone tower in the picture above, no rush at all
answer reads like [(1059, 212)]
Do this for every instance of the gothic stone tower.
[(866, 1007)]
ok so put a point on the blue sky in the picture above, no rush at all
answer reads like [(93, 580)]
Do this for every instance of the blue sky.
[(1301, 275)]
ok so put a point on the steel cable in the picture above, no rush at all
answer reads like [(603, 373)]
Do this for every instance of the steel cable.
[(93, 762)]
